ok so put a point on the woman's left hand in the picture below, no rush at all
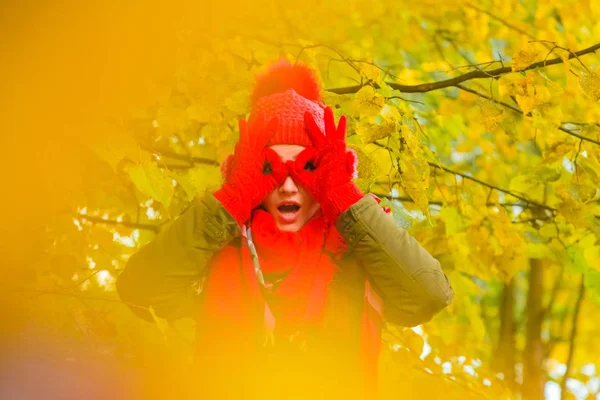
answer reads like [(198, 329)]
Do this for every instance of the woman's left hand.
[(327, 168)]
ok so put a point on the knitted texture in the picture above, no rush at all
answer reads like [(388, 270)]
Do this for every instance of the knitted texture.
[(290, 107), (328, 167), (253, 172)]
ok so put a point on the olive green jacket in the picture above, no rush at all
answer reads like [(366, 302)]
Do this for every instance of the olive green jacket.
[(165, 272)]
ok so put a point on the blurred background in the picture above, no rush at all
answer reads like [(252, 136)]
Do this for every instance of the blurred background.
[(477, 122)]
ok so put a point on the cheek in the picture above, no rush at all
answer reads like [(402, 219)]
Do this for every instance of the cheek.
[(270, 201), (310, 204)]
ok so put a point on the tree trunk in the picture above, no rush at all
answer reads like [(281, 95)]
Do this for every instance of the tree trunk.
[(563, 383), (504, 359), (533, 381)]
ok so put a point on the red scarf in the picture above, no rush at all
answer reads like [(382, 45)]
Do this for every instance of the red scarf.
[(238, 308)]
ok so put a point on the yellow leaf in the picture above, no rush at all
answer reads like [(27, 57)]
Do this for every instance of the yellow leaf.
[(592, 255), (415, 179), (582, 192), (592, 168), (507, 83), (370, 72), (525, 184), (491, 114), (409, 144), (590, 84), (548, 231), (453, 220), (369, 102), (526, 103), (509, 126), (367, 167), (390, 113), (547, 173), (573, 212), (547, 116), (369, 132), (523, 58)]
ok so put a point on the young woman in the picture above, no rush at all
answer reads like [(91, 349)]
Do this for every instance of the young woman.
[(297, 268)]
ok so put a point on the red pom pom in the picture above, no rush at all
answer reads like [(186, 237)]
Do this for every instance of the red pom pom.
[(282, 76)]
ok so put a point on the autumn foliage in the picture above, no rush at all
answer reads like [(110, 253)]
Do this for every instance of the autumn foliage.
[(476, 122)]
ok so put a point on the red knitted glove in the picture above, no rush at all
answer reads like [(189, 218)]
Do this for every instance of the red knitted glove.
[(327, 169), (253, 172)]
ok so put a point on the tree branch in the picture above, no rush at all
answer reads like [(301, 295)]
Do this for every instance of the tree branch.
[(98, 220), (478, 74), (181, 157)]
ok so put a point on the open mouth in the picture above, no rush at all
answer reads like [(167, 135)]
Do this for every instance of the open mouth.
[(288, 208), (288, 212)]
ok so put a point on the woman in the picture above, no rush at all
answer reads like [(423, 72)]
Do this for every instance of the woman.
[(298, 268)]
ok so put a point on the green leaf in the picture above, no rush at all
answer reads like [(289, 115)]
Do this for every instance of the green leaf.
[(577, 254), (153, 182), (548, 173), (401, 217), (525, 184)]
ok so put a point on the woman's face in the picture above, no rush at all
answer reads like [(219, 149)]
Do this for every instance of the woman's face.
[(290, 204)]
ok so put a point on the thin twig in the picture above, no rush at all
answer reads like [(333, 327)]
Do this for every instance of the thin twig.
[(402, 98)]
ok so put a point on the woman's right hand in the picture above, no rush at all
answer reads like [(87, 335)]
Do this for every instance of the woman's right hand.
[(253, 171)]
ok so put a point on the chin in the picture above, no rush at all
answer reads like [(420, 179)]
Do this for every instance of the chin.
[(295, 227)]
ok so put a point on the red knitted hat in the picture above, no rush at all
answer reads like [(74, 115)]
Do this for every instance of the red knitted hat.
[(288, 91)]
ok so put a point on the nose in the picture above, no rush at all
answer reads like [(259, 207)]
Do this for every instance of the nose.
[(288, 186)]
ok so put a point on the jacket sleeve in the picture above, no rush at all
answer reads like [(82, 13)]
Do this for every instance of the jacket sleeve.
[(163, 273), (408, 278)]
